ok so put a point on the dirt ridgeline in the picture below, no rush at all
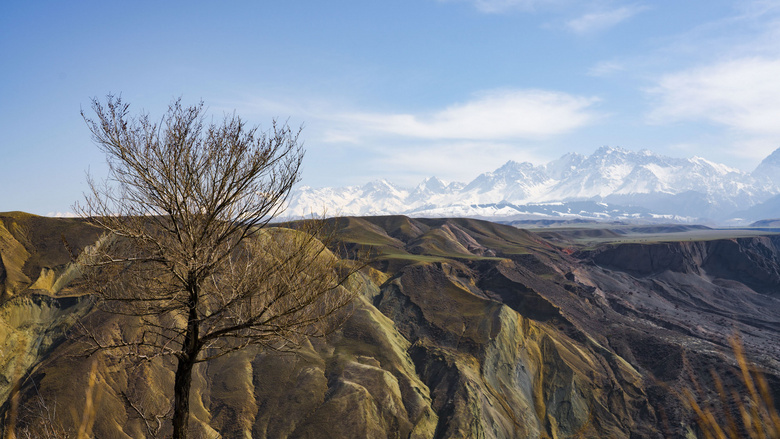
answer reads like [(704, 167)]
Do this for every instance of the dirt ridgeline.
[(464, 328)]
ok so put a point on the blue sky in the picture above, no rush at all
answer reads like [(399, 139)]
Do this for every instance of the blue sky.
[(396, 89)]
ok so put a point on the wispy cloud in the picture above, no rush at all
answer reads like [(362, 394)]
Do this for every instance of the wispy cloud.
[(742, 94), (601, 20), (454, 160), (496, 115), (599, 15), (606, 68), (499, 6), (348, 145)]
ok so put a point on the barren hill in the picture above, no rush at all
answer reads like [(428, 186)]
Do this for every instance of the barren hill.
[(464, 328)]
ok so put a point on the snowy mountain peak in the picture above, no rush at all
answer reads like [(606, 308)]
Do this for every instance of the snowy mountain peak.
[(617, 153), (604, 150), (769, 168), (641, 182), (378, 185), (381, 189), (717, 167), (770, 164), (512, 166), (433, 184), (772, 159), (430, 187), (513, 171), (564, 166)]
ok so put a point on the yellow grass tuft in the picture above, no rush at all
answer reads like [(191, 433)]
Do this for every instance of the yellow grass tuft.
[(748, 412)]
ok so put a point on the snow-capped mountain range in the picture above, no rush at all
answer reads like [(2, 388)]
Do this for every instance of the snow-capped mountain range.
[(610, 184)]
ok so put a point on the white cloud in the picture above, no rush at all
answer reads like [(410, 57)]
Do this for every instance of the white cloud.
[(598, 21), (743, 94), (348, 146), (606, 68), (507, 114)]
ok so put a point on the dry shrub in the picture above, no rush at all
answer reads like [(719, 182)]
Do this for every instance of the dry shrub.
[(744, 412), (38, 419)]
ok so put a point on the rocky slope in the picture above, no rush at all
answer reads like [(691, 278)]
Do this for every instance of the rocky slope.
[(464, 328)]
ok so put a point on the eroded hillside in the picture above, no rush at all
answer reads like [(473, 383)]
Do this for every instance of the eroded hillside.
[(463, 329)]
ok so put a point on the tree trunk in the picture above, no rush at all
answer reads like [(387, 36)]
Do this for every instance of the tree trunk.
[(183, 380), (181, 403)]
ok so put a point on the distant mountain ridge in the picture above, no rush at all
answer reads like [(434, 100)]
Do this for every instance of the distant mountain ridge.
[(612, 183)]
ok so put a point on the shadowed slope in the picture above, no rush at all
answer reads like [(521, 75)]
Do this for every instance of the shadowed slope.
[(33, 251)]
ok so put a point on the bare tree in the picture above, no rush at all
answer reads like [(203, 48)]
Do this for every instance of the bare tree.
[(188, 248)]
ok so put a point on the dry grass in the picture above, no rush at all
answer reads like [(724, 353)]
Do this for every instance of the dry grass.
[(747, 412), (9, 432), (42, 423)]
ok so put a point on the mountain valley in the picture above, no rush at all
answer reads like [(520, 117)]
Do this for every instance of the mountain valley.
[(463, 328)]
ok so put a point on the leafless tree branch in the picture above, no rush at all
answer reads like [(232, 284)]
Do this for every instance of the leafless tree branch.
[(188, 248)]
